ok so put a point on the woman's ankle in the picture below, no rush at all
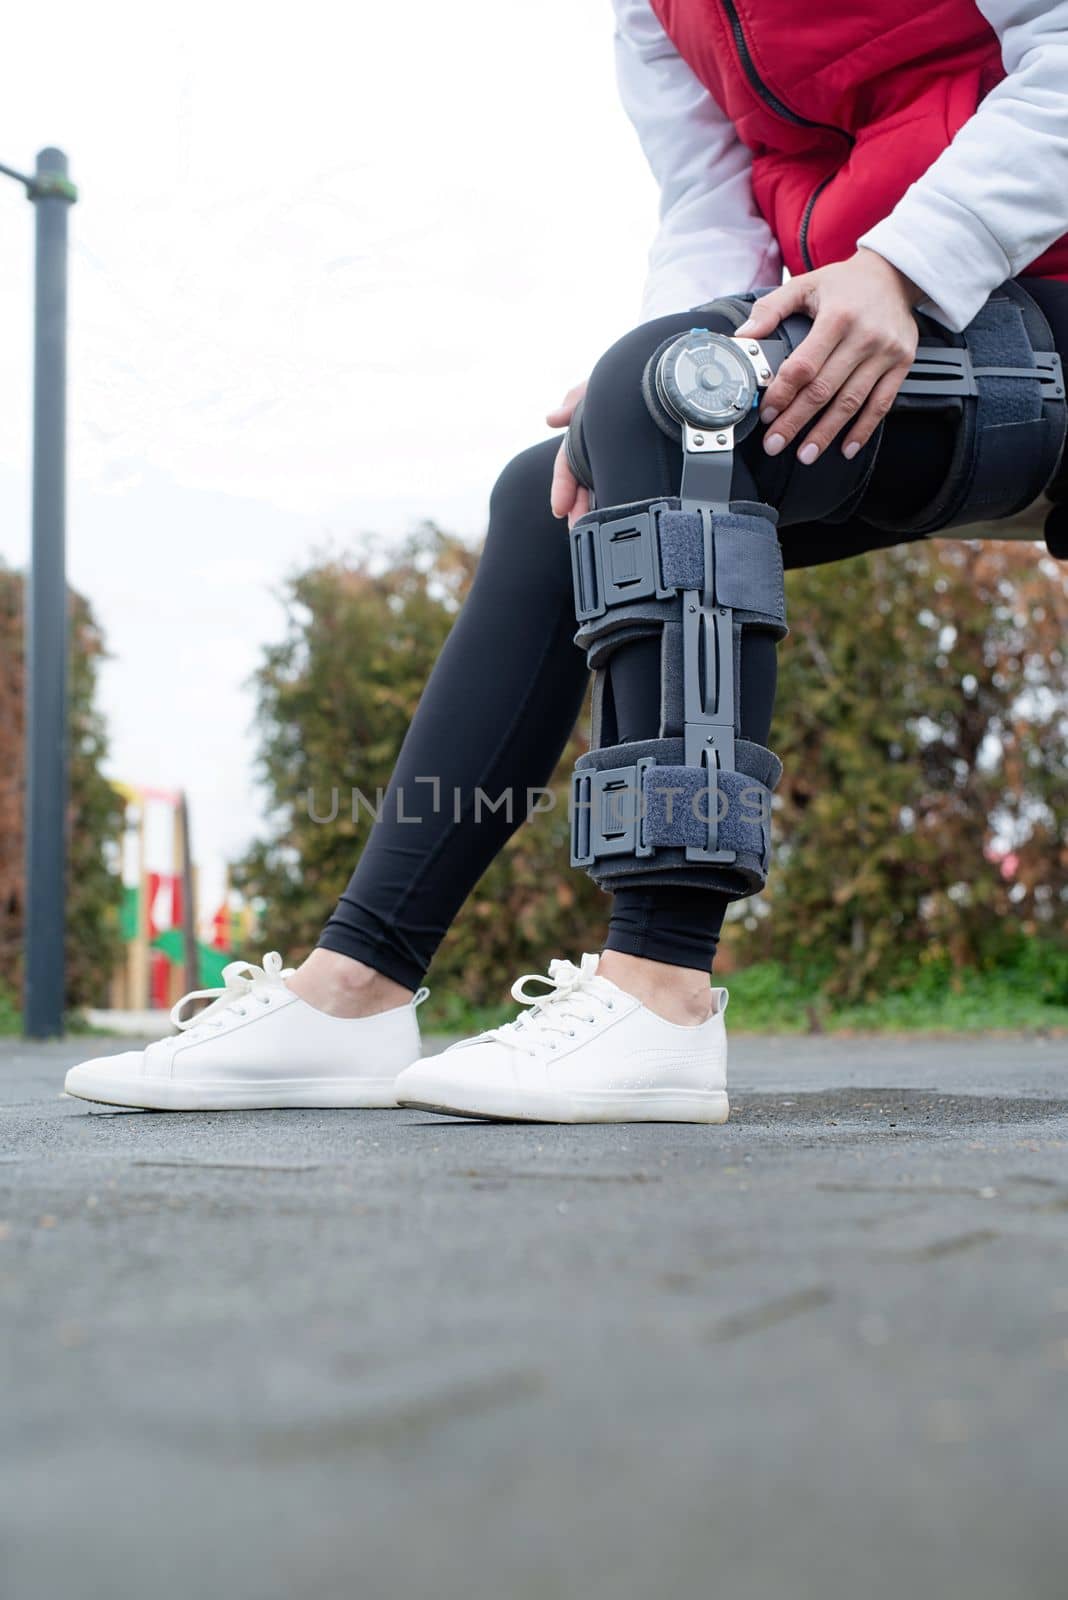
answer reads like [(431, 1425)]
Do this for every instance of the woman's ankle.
[(679, 994), (343, 987)]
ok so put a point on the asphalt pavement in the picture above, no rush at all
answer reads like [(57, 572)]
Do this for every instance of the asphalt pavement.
[(819, 1354)]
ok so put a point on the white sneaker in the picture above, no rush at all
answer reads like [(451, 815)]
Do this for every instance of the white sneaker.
[(259, 1045), (584, 1052)]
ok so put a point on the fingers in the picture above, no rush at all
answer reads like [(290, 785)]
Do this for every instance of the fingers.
[(567, 497), (880, 400), (840, 379), (561, 415), (808, 369), (857, 392), (847, 370), (767, 312), (580, 508), (854, 389), (565, 492)]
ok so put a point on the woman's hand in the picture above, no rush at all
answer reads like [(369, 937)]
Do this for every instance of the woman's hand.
[(567, 497), (852, 360)]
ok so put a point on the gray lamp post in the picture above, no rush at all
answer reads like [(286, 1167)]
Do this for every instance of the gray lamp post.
[(47, 641)]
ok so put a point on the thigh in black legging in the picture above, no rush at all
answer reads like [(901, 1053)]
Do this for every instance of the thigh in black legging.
[(494, 718)]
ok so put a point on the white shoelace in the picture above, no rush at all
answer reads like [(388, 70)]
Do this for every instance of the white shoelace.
[(570, 998), (242, 981)]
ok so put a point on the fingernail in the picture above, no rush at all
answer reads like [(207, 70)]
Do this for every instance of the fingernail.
[(850, 450), (774, 443), (769, 413), (746, 327), (807, 454)]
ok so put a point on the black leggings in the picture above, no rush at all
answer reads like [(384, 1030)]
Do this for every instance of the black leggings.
[(506, 690)]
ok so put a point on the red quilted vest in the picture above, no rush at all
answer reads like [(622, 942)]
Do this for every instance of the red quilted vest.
[(843, 104)]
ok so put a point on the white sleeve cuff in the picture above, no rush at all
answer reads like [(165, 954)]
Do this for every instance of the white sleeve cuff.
[(688, 272), (960, 273), (711, 240)]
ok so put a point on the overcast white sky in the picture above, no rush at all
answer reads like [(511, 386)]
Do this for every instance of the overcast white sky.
[(293, 218)]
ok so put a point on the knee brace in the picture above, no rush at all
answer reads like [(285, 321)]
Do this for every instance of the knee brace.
[(1000, 381), (697, 569), (692, 805)]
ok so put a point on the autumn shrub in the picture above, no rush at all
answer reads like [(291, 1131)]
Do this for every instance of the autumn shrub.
[(920, 828)]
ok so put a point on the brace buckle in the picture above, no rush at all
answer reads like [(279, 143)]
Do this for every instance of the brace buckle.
[(617, 561), (608, 813)]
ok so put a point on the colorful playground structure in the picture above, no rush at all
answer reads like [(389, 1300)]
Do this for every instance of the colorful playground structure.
[(169, 948)]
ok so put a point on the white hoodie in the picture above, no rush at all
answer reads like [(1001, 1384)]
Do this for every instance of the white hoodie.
[(994, 200)]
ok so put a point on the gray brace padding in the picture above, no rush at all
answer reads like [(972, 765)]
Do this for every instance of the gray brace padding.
[(653, 808), (749, 575), (1002, 378), (695, 801), (623, 577), (1005, 409)]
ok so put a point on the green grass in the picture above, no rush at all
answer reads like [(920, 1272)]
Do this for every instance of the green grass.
[(1027, 993), (10, 1015), (768, 999), (11, 1019)]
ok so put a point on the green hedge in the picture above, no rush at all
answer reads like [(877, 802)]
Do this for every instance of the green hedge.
[(920, 829)]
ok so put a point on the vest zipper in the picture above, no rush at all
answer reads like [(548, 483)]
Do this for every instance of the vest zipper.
[(781, 109), (806, 218)]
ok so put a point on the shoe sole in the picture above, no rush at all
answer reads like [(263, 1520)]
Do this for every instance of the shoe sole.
[(316, 1094), (632, 1105)]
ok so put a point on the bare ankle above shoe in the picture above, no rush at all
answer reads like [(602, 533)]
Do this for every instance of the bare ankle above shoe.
[(679, 994), (343, 987)]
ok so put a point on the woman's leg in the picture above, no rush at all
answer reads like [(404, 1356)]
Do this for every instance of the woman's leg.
[(586, 1051), (633, 460), (496, 713), (676, 928), (512, 648), (511, 655)]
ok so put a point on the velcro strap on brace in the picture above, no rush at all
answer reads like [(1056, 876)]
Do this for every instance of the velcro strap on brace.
[(641, 815), (628, 560), (1003, 380), (1008, 410)]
